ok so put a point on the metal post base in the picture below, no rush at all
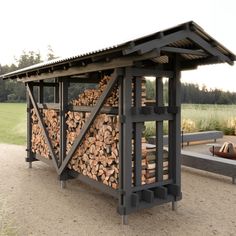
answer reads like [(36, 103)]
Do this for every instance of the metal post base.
[(234, 180), (124, 219), (63, 184), (174, 205), (30, 165)]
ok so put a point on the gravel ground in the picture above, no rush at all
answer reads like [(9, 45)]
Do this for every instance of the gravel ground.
[(32, 203)]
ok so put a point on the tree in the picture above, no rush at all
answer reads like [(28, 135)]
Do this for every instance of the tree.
[(28, 58), (11, 90), (50, 54)]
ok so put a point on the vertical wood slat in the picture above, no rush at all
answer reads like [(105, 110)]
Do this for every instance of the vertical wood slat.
[(177, 164), (63, 102), (30, 154), (42, 126), (127, 141), (159, 131), (137, 133), (41, 92), (174, 125), (121, 128), (56, 91)]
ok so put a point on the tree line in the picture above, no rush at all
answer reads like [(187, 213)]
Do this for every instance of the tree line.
[(193, 93), (11, 91)]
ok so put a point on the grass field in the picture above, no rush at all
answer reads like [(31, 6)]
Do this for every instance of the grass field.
[(200, 117), (195, 117), (13, 123)]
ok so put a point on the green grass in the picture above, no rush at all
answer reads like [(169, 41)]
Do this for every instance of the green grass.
[(195, 117), (209, 117), (13, 123), (201, 117)]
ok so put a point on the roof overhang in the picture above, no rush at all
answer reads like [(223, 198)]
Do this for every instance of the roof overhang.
[(189, 41)]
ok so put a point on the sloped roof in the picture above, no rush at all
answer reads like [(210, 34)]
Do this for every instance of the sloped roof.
[(188, 40)]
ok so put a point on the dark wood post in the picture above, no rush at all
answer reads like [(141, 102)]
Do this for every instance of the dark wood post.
[(138, 127), (63, 103), (175, 132), (159, 131), (126, 152), (30, 154)]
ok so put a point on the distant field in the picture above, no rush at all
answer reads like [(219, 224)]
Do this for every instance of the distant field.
[(201, 117), (13, 123), (195, 117)]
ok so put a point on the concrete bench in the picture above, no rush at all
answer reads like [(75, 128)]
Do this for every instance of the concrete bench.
[(192, 137), (210, 163)]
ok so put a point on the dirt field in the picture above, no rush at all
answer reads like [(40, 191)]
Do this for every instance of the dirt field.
[(32, 203)]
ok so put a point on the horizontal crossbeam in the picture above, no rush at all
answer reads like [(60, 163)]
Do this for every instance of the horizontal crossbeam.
[(55, 106), (184, 51), (92, 67), (134, 71)]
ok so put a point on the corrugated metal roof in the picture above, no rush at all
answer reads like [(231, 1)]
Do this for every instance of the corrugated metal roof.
[(62, 60), (185, 43)]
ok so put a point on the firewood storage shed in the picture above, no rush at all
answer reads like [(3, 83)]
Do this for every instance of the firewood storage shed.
[(116, 161)]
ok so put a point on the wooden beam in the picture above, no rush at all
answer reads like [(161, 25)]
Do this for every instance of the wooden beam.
[(155, 71), (42, 126), (45, 84), (56, 106), (99, 66), (157, 43), (159, 130), (209, 48), (63, 102), (184, 51), (138, 128)]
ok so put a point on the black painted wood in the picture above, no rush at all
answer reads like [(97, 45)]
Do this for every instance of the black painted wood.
[(63, 102), (159, 131), (138, 127), (127, 142), (30, 154)]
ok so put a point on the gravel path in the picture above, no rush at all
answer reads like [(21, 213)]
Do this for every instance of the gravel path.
[(32, 203)]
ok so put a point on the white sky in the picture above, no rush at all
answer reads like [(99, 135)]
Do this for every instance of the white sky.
[(76, 26)]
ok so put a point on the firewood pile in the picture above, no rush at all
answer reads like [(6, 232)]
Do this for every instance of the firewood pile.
[(51, 120), (98, 155)]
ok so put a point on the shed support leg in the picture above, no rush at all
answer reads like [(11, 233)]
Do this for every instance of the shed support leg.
[(174, 205), (30, 164), (234, 180), (63, 184), (124, 219)]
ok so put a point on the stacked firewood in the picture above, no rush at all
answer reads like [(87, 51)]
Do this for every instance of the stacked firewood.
[(90, 96), (151, 165), (98, 155), (52, 124)]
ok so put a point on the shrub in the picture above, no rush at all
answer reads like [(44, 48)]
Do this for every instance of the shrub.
[(188, 126)]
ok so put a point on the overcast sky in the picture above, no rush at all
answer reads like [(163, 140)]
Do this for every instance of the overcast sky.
[(75, 26)]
